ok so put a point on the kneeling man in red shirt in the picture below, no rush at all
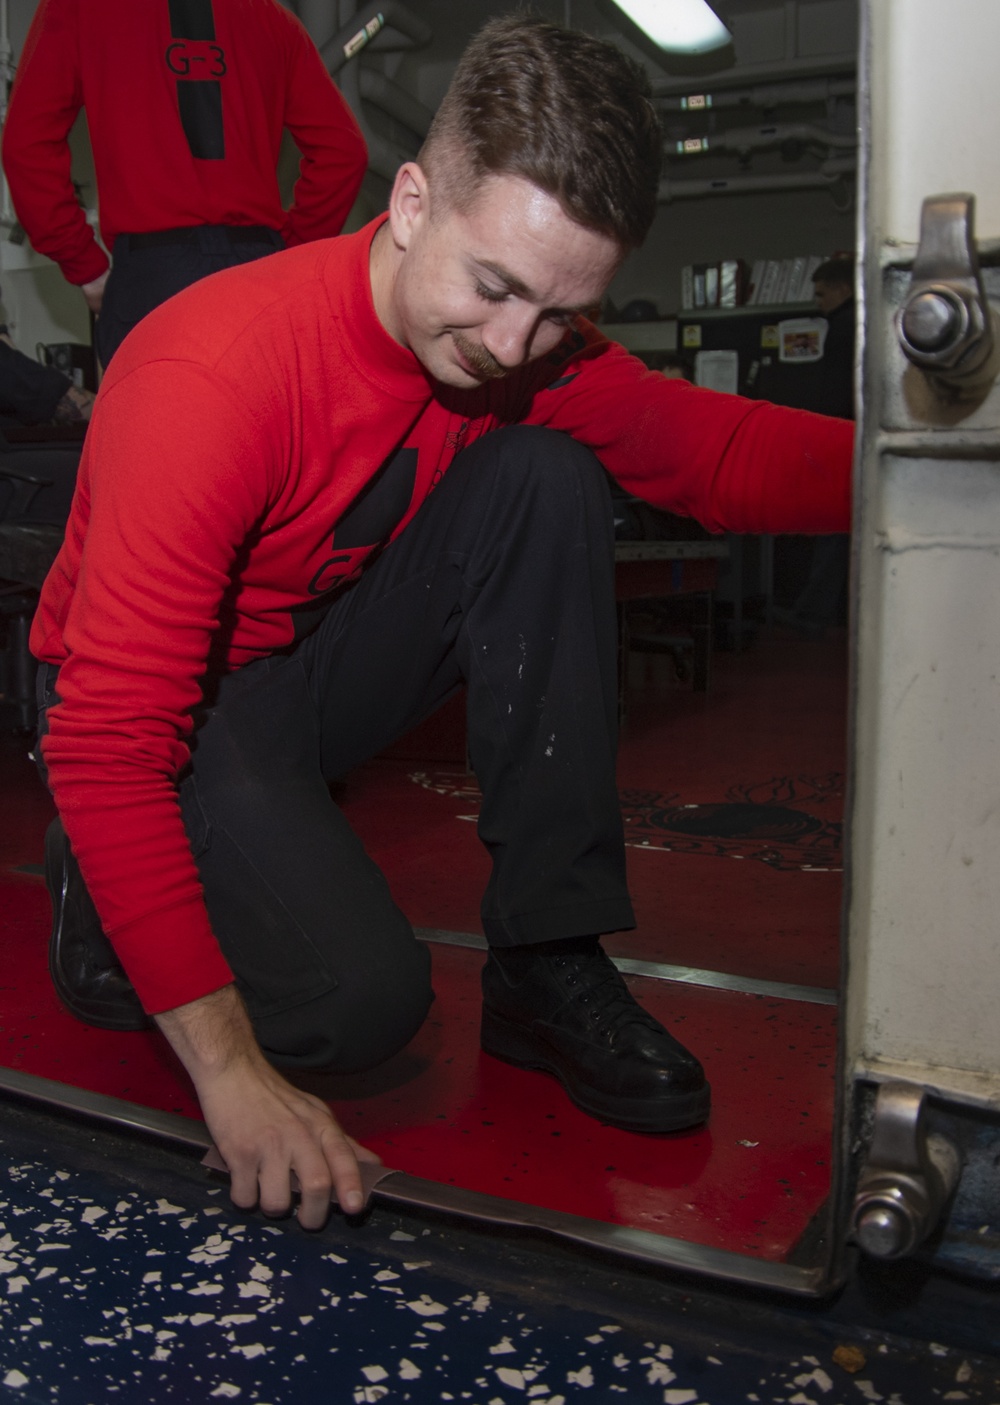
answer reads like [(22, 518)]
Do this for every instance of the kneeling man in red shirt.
[(388, 480)]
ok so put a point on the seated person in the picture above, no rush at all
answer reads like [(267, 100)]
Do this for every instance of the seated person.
[(31, 396), (31, 393)]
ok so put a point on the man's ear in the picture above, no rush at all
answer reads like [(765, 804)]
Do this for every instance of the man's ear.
[(408, 203)]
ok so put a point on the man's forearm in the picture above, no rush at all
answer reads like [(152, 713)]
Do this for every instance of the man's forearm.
[(266, 1129), (212, 1034)]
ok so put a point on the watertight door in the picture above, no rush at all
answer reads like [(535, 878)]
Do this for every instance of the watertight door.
[(923, 976)]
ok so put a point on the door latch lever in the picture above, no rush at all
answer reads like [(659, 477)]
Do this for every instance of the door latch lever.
[(907, 1179), (946, 326)]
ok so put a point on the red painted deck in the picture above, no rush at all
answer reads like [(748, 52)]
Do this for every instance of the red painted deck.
[(762, 903)]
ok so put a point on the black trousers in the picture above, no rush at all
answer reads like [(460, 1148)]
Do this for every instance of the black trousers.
[(149, 268), (504, 580)]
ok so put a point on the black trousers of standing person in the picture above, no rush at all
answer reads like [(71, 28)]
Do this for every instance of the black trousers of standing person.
[(504, 580), (147, 269)]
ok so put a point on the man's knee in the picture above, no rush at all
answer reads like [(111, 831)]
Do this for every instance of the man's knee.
[(527, 448), (370, 1016), (536, 477)]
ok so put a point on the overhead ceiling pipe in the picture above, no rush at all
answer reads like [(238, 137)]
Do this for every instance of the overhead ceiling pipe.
[(388, 22), (763, 95), (748, 75), (384, 156), (394, 27), (746, 139), (394, 101), (826, 176)]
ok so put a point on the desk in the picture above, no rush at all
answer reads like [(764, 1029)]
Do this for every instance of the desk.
[(659, 570), (644, 570)]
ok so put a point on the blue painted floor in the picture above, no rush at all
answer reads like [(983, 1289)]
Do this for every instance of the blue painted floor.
[(125, 1274)]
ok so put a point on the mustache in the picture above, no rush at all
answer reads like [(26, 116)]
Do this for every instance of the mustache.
[(482, 361)]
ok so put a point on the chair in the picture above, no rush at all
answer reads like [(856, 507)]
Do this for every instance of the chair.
[(37, 476), (661, 559)]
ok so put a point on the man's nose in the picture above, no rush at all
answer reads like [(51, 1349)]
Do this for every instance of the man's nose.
[(511, 336)]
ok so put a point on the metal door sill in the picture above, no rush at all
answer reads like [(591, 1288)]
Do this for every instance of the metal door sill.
[(415, 1193)]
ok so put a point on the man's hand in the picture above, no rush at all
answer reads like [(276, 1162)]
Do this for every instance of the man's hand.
[(264, 1128), (94, 292)]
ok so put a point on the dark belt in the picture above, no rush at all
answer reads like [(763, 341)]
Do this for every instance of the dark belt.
[(192, 234)]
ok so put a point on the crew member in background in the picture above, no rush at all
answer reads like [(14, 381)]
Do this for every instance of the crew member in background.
[(186, 104), (833, 294)]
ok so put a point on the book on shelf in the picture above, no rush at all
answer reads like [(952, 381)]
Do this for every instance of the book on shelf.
[(722, 284), (699, 285), (711, 285), (706, 284), (786, 280), (781, 285), (769, 283), (807, 289), (696, 285), (687, 287), (796, 272), (733, 280)]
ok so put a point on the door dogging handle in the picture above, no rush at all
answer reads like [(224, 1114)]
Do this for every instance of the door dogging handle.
[(907, 1179), (946, 326)]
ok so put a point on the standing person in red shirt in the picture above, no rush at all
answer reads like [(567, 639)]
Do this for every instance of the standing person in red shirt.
[(388, 480), (186, 103)]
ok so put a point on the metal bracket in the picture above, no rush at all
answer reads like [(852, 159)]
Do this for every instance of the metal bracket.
[(908, 1177), (946, 326)]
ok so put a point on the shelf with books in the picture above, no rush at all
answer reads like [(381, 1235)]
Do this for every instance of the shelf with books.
[(660, 335), (731, 283)]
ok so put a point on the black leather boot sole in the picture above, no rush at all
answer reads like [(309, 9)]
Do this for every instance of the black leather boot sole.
[(573, 1017), (88, 977)]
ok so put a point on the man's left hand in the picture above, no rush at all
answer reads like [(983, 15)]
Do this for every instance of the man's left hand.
[(94, 292)]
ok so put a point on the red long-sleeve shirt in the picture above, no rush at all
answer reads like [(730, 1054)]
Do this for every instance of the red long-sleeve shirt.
[(233, 430), (186, 105)]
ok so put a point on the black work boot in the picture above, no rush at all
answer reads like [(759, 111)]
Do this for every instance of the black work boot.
[(85, 971), (565, 1009)]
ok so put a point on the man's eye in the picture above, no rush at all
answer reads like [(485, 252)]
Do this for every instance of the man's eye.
[(491, 294)]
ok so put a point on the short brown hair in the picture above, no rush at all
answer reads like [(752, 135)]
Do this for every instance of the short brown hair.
[(567, 112), (835, 271)]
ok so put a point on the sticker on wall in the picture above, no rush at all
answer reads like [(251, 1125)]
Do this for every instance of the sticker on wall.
[(801, 339), (769, 335), (691, 335), (719, 370)]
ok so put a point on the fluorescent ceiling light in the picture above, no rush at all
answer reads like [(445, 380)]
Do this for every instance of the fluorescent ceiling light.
[(683, 26)]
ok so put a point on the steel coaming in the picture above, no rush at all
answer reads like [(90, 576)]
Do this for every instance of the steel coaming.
[(415, 1193), (664, 971)]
